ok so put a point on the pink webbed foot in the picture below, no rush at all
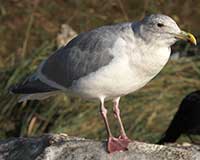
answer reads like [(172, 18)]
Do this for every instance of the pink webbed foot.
[(124, 141), (118, 144)]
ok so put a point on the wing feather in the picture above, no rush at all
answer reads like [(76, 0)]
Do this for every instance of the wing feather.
[(85, 54)]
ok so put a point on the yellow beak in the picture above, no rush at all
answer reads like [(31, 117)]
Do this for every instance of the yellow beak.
[(187, 36)]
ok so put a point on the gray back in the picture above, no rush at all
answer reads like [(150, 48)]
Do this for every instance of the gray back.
[(83, 55)]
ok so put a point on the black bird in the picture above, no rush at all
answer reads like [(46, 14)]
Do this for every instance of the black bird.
[(186, 120)]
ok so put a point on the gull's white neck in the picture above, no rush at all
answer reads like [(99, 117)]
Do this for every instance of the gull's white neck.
[(149, 58)]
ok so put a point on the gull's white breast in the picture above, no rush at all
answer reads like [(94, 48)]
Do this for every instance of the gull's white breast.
[(130, 70)]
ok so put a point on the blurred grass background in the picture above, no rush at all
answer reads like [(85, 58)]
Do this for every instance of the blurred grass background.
[(28, 32)]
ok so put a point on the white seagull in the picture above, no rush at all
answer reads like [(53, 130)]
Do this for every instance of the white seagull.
[(105, 64)]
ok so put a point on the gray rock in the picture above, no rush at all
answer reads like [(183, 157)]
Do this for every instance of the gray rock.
[(63, 147)]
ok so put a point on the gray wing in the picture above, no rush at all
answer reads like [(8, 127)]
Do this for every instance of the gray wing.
[(84, 54)]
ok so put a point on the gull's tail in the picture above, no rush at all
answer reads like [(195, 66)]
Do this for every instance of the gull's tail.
[(32, 88)]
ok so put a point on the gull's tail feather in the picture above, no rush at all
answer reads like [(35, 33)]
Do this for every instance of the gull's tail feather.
[(32, 88)]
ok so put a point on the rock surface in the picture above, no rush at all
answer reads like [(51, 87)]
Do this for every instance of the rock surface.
[(63, 147)]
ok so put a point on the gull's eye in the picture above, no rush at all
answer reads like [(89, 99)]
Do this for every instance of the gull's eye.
[(160, 25)]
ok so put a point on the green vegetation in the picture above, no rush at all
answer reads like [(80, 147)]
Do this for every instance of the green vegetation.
[(27, 35)]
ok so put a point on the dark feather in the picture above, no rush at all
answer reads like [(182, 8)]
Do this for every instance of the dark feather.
[(186, 120), (30, 86)]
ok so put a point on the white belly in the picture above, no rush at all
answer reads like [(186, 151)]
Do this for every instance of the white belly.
[(120, 77)]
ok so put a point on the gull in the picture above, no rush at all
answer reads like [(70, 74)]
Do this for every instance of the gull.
[(106, 63)]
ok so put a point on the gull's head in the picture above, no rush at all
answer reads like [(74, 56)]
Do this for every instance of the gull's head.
[(161, 29)]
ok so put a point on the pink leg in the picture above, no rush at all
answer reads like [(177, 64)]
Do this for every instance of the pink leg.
[(117, 115), (104, 111), (123, 137), (114, 144)]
